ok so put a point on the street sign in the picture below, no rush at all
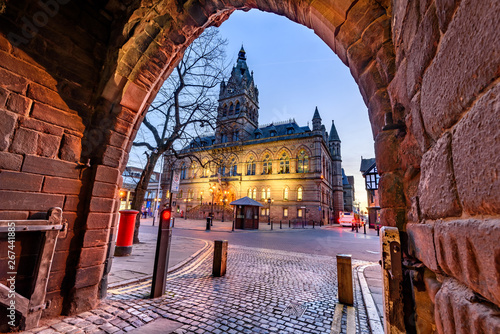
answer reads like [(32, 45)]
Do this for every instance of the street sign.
[(176, 179)]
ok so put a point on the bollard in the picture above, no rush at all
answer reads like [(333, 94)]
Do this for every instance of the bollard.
[(271, 225), (344, 277), (162, 254), (232, 228), (378, 230), (289, 223), (313, 223), (173, 221), (364, 227), (220, 258), (207, 227), (281, 226)]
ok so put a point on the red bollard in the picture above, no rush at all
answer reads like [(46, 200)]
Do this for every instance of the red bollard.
[(125, 232)]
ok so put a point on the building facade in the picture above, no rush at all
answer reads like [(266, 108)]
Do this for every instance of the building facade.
[(295, 171), (369, 170)]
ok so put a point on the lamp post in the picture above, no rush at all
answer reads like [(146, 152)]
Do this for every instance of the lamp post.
[(224, 204), (212, 191), (201, 197), (269, 213)]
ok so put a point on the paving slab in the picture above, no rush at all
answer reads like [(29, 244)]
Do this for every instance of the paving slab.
[(160, 326)]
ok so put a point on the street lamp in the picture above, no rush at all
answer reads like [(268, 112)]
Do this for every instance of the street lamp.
[(212, 191), (201, 197)]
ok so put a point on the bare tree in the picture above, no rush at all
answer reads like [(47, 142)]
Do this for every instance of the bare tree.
[(185, 105)]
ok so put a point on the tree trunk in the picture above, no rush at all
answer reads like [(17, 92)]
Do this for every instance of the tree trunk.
[(141, 189)]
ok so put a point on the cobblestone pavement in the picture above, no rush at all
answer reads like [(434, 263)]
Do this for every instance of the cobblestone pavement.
[(264, 291)]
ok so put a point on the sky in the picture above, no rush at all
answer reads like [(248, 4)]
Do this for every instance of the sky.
[(295, 72)]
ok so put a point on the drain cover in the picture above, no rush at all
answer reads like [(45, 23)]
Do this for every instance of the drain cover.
[(294, 309)]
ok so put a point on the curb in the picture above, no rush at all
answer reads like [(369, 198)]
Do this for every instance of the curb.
[(170, 270), (374, 320)]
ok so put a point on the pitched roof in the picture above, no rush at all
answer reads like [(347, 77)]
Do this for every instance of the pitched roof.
[(366, 164), (245, 201), (334, 136)]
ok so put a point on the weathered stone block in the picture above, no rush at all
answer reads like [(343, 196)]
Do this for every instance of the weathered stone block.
[(98, 204), (18, 104), (71, 203), (57, 185), (20, 181), (469, 251), (397, 87), (99, 220), (391, 191), (458, 311), (94, 256), (421, 244), (4, 94), (95, 238), (12, 82), (395, 217), (422, 50), (387, 151), (31, 123), (445, 11), (48, 145), (467, 61), (83, 299), (15, 215), (107, 174), (58, 117), (7, 122), (476, 152), (13, 200), (25, 141), (417, 125), (51, 167), (71, 148), (104, 190), (377, 107), (438, 195), (10, 161)]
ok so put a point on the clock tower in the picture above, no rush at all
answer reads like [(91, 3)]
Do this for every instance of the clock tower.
[(238, 113)]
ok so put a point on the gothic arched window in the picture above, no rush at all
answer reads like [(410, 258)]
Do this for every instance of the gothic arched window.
[(234, 167), (254, 195), (251, 166), (183, 170), (284, 164), (300, 193), (302, 162), (224, 110), (285, 194), (267, 165), (231, 109), (237, 110)]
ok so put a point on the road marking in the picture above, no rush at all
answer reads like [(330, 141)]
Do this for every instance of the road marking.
[(337, 319), (351, 321), (372, 252)]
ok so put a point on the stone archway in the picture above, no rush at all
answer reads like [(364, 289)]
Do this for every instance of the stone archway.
[(72, 100)]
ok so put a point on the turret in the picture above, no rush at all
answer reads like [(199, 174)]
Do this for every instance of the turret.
[(316, 121), (334, 142)]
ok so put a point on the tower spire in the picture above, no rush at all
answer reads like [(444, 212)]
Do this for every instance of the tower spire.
[(316, 120)]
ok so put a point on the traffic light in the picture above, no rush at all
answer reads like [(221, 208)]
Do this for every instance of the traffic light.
[(166, 215)]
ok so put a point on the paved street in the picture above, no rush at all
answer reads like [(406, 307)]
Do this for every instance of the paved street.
[(286, 282)]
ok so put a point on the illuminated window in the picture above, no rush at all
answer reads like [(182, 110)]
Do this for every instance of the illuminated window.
[(284, 164), (299, 213), (254, 195), (300, 192), (268, 194), (285, 212), (285, 194), (249, 194), (267, 165), (302, 162), (263, 193), (251, 166)]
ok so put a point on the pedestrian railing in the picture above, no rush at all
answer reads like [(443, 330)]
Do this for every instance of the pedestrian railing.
[(26, 277)]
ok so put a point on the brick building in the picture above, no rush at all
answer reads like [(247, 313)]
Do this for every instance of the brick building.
[(299, 169)]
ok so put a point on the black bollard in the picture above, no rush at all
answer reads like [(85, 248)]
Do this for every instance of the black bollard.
[(271, 225), (313, 223), (289, 223), (207, 228), (281, 226)]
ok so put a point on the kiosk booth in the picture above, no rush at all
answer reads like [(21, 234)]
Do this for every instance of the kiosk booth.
[(246, 214)]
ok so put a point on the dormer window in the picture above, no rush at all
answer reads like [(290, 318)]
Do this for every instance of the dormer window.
[(258, 135), (289, 131), (273, 133)]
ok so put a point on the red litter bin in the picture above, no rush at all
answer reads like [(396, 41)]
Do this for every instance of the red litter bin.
[(125, 232)]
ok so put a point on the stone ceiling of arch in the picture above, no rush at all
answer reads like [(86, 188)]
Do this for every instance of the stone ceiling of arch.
[(157, 32)]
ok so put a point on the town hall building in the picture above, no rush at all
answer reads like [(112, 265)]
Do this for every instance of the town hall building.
[(294, 171)]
